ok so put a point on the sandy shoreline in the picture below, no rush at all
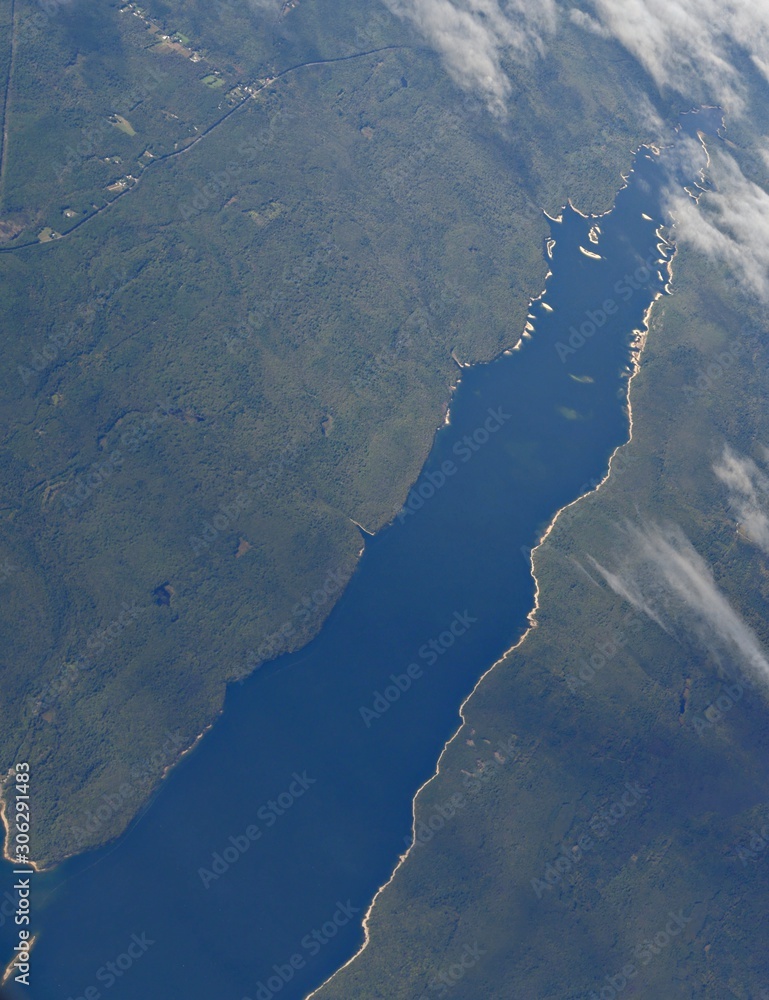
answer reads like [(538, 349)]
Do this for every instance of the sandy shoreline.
[(12, 964), (636, 352), (7, 856)]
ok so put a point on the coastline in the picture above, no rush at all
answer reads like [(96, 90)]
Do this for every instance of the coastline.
[(39, 867), (169, 767), (12, 964), (7, 828), (637, 346)]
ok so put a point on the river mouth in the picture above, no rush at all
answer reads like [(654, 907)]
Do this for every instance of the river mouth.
[(251, 871)]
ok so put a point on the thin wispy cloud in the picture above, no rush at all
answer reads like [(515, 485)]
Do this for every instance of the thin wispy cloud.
[(690, 45), (267, 6), (748, 494), (473, 38), (584, 20), (730, 223), (662, 574)]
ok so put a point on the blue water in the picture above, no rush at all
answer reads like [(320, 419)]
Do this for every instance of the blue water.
[(438, 596)]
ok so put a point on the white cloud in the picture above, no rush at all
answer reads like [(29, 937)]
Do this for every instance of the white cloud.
[(584, 20), (472, 36), (269, 6), (748, 493), (688, 44), (730, 223), (662, 574)]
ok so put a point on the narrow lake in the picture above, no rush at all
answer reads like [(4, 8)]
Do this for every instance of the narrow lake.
[(304, 787)]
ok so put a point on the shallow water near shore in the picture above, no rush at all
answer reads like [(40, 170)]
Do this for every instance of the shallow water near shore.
[(249, 874)]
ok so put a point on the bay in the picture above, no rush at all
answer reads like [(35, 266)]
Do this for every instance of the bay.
[(303, 789)]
